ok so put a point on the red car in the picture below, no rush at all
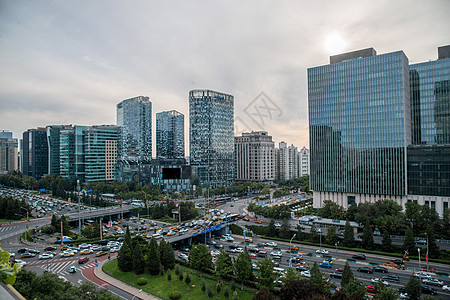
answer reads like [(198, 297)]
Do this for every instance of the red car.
[(83, 260), (430, 269), (371, 289)]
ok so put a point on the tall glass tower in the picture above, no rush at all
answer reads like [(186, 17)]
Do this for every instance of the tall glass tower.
[(170, 134), (211, 137), (134, 116), (359, 120)]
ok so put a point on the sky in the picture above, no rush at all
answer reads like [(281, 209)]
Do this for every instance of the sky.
[(72, 62)]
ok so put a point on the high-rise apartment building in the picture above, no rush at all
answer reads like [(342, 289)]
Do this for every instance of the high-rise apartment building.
[(211, 137), (8, 152), (34, 153), (170, 134), (293, 162), (368, 116), (303, 162), (254, 157), (282, 162), (134, 117)]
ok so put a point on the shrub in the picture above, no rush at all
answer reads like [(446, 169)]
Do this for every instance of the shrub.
[(142, 281), (175, 295)]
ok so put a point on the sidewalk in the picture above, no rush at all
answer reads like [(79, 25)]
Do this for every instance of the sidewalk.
[(98, 271)]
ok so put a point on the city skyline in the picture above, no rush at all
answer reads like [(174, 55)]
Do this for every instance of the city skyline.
[(61, 64)]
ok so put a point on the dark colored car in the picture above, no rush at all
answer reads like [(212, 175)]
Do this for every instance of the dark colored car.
[(302, 268), (336, 275), (218, 246), (261, 254), (121, 239), (253, 250), (365, 270), (391, 277), (103, 242), (83, 260), (50, 248), (428, 290), (380, 269), (23, 250), (233, 246), (359, 256)]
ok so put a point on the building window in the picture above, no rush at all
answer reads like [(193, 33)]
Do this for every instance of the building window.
[(350, 200), (445, 206)]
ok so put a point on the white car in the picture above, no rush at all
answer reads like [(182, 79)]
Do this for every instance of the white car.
[(114, 249), (422, 275), (45, 256), (237, 250), (376, 280), (444, 288), (305, 274), (183, 256), (322, 251), (23, 263), (229, 238), (276, 253), (433, 281), (271, 244), (277, 225)]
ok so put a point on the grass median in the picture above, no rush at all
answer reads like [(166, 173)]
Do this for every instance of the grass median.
[(160, 287)]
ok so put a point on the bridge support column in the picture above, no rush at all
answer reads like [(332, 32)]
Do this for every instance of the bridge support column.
[(189, 241)]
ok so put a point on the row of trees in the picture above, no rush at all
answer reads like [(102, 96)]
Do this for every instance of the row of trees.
[(136, 254), (13, 209)]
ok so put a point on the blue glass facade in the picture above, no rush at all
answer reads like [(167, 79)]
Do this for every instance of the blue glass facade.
[(134, 116), (359, 117), (34, 153), (170, 134), (211, 137)]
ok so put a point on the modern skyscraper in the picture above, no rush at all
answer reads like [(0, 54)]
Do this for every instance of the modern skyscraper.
[(134, 116), (170, 134), (376, 126), (254, 157), (34, 153), (8, 152), (282, 162), (53, 139), (211, 137)]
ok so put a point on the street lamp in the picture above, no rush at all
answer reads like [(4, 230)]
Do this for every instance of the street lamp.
[(427, 251), (136, 294), (27, 217), (290, 249), (418, 250)]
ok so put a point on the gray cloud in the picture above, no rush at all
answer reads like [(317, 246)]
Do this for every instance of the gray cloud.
[(72, 62)]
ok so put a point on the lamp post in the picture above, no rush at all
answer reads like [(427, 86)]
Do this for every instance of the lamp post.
[(290, 250), (418, 250), (27, 218), (427, 251), (136, 294)]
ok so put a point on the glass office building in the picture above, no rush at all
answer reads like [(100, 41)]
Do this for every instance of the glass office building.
[(170, 134), (54, 140), (211, 137), (134, 116), (34, 153), (359, 118)]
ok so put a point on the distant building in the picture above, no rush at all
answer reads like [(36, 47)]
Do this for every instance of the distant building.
[(134, 117), (254, 157), (211, 137), (34, 153), (303, 162), (53, 140), (8, 152), (170, 134), (282, 162)]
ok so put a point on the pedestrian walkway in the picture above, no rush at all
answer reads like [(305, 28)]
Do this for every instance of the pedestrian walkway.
[(98, 271)]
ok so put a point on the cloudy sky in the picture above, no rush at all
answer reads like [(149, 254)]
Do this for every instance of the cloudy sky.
[(71, 62)]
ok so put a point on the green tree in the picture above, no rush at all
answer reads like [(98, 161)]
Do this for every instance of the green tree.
[(314, 234), (300, 289), (243, 267), (224, 265), (218, 288), (354, 290), (347, 275), (385, 293), (413, 288), (153, 260), (290, 275), (226, 293), (433, 249), (200, 258), (271, 229), (187, 279), (210, 292), (169, 257), (332, 210), (265, 274), (318, 278), (125, 258), (285, 230), (386, 241), (7, 271), (331, 237), (203, 286), (138, 260), (169, 277), (367, 238), (408, 242), (128, 237), (349, 239)]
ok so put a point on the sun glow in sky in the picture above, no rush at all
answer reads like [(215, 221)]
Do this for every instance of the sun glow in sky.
[(335, 44)]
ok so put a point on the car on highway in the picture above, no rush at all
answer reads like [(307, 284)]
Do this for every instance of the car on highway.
[(26, 255), (270, 244), (428, 290), (114, 249), (45, 256), (50, 248), (301, 268), (380, 269), (72, 269), (67, 254), (433, 281), (83, 260), (359, 256), (390, 277), (297, 259), (336, 275), (229, 239), (305, 273), (379, 280), (328, 260), (325, 265), (20, 262), (365, 270), (101, 253), (422, 275), (371, 289), (322, 251), (86, 251), (446, 288), (429, 269), (183, 256)]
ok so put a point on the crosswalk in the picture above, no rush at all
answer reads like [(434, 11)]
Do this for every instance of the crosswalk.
[(7, 228), (62, 268)]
